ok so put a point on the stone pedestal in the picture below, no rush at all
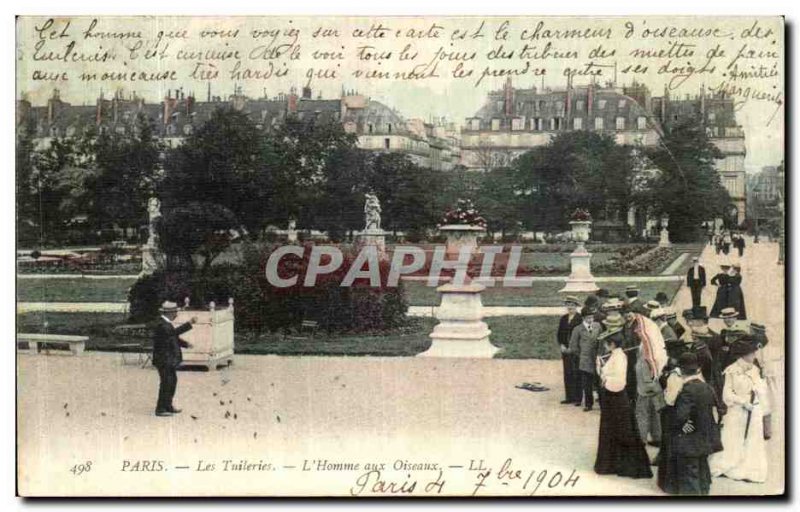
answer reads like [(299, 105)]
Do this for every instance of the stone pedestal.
[(461, 331), (151, 259), (376, 237), (664, 238), (580, 278)]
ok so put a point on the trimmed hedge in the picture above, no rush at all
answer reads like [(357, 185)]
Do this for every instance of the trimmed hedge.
[(263, 307)]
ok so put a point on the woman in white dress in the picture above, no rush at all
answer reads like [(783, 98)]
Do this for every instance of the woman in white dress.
[(744, 455)]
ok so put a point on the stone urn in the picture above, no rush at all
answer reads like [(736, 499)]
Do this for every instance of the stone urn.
[(580, 279), (461, 331), (581, 230), (663, 240)]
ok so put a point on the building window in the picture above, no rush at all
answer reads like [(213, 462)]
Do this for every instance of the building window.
[(541, 104), (579, 105), (577, 123), (517, 124), (641, 122), (558, 123), (370, 127), (621, 104), (475, 124), (495, 124), (598, 123), (386, 143), (390, 127), (620, 123), (711, 116), (552, 123), (601, 104)]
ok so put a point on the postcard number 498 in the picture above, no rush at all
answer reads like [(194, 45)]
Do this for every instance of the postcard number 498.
[(79, 469)]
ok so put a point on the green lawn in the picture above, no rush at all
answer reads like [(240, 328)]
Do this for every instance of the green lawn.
[(73, 290), (518, 337), (541, 293)]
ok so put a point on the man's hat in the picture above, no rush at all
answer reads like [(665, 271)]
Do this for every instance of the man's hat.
[(662, 297), (658, 313), (632, 291), (758, 328), (168, 306), (571, 299), (688, 362), (670, 314), (652, 305), (728, 313), (602, 292), (696, 313), (737, 266), (614, 320), (695, 258), (613, 304)]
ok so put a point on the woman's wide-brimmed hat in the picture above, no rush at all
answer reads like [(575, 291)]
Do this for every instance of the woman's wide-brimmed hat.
[(611, 331), (743, 346)]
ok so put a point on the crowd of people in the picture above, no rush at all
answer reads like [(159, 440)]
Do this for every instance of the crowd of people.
[(724, 240), (698, 395)]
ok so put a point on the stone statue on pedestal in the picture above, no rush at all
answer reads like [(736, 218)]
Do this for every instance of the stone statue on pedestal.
[(372, 213), (153, 214), (150, 252)]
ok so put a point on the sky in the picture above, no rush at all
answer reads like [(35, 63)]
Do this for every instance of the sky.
[(441, 96)]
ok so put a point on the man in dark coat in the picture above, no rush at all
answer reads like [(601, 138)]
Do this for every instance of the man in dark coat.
[(572, 376), (672, 320), (696, 431), (739, 244), (167, 356), (633, 302), (696, 281)]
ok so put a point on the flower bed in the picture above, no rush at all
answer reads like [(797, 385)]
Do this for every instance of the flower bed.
[(649, 262)]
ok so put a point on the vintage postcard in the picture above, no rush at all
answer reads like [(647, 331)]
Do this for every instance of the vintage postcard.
[(430, 256)]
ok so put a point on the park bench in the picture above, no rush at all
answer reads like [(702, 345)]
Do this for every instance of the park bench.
[(35, 342), (309, 327)]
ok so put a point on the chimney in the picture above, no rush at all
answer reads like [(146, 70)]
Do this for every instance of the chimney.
[(291, 104), (589, 99), (189, 104), (509, 98)]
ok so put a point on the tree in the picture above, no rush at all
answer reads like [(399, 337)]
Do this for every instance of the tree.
[(195, 229), (221, 163), (27, 200), (575, 169), (125, 169), (304, 158), (499, 200), (688, 187), (410, 195), (49, 190)]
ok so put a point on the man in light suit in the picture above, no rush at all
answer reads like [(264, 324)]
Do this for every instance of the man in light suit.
[(583, 345), (167, 356), (696, 281)]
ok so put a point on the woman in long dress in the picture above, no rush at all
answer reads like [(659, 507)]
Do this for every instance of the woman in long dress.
[(735, 297), (620, 450), (746, 394), (721, 281)]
